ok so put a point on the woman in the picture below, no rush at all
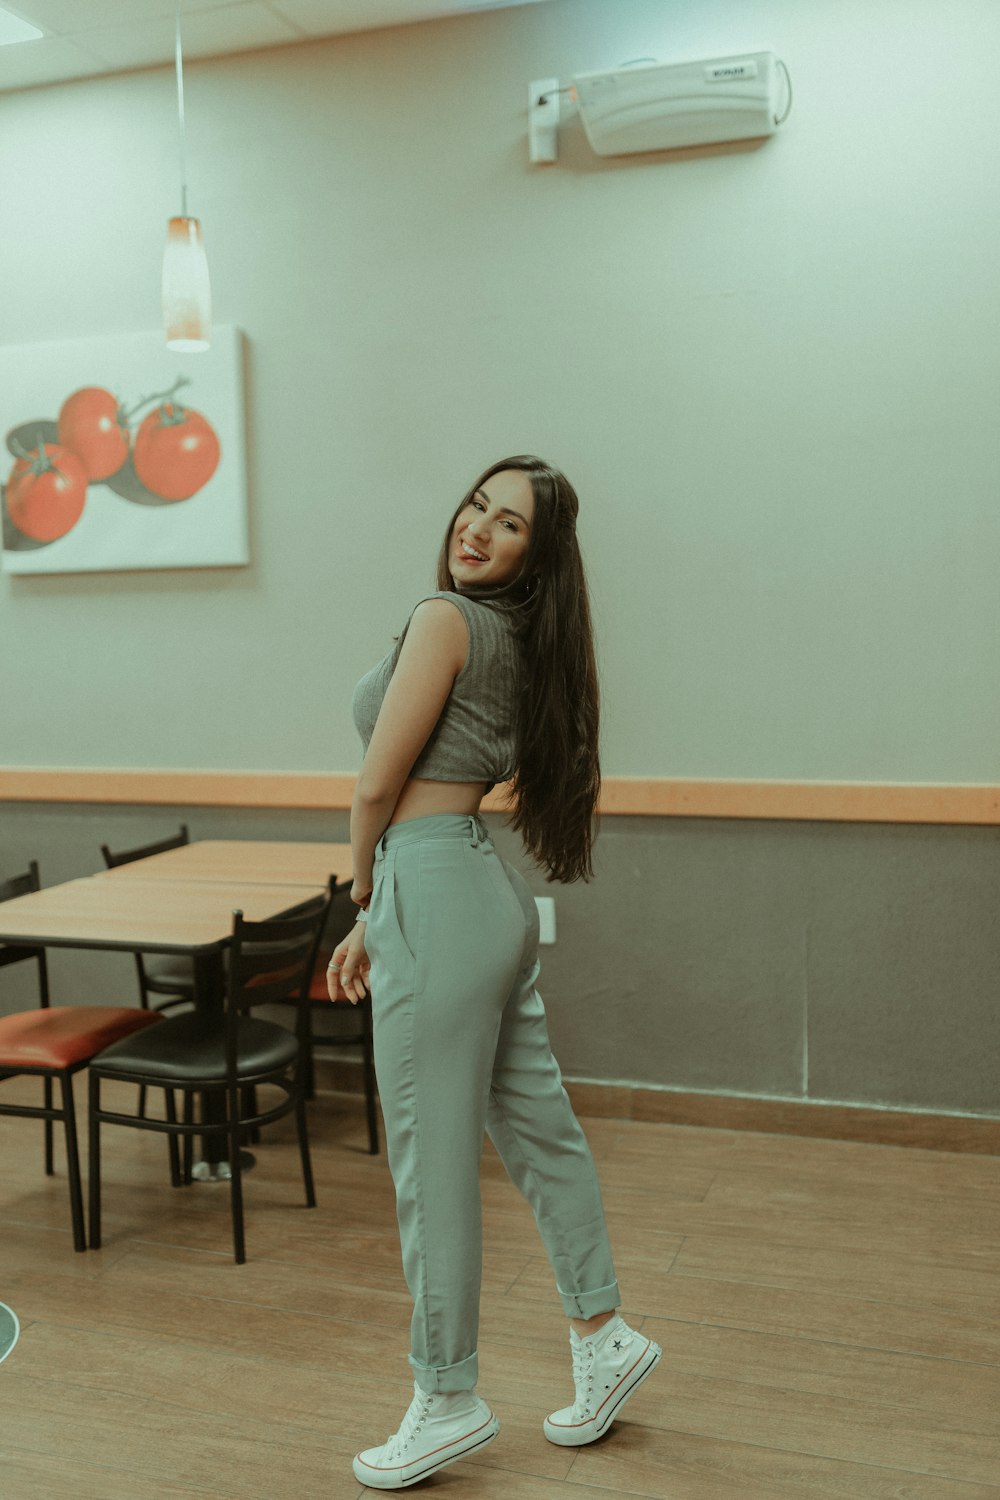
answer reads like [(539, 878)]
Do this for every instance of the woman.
[(492, 680)]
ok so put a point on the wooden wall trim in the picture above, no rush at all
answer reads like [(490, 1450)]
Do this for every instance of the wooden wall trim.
[(824, 1121), (180, 788), (831, 1122), (641, 796)]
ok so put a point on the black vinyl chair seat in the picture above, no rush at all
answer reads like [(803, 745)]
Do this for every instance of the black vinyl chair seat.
[(181, 1048)]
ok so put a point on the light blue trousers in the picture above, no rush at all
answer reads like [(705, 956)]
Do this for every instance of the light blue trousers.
[(462, 1046)]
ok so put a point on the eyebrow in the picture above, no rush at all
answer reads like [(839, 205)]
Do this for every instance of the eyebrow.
[(505, 510)]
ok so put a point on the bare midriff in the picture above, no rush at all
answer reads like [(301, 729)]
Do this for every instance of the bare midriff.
[(422, 799)]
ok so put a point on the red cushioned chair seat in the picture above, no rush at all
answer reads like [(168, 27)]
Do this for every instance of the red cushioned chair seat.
[(317, 985), (63, 1035)]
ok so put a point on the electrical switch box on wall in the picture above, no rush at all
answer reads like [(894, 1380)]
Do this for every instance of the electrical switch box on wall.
[(543, 119)]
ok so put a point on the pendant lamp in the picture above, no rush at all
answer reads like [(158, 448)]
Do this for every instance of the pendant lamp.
[(187, 295)]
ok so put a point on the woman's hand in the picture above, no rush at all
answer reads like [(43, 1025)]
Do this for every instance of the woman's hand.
[(350, 966)]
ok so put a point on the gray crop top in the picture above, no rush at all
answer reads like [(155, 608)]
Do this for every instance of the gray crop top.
[(473, 740)]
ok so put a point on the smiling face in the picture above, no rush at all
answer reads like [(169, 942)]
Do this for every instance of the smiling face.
[(490, 534)]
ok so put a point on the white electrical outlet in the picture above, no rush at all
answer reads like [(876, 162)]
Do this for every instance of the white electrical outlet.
[(547, 918)]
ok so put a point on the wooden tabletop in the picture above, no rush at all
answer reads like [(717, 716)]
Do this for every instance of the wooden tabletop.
[(165, 916), (244, 860)]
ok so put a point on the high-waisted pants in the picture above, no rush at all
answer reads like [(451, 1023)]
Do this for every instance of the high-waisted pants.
[(461, 1045)]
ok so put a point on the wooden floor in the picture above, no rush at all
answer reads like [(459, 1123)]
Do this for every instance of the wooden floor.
[(829, 1312)]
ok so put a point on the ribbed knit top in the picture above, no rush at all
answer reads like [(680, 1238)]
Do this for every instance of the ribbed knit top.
[(473, 740)]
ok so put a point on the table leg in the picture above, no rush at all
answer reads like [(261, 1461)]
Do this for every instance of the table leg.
[(209, 999)]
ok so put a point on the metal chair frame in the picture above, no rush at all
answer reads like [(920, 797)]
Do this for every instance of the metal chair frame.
[(23, 885), (292, 941), (148, 983), (67, 1114)]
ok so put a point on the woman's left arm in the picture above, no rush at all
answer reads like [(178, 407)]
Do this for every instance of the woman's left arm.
[(432, 655)]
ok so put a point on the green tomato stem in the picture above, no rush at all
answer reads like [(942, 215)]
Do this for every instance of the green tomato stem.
[(160, 396), (40, 461)]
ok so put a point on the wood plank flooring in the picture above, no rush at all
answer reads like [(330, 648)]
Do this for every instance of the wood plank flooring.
[(829, 1312)]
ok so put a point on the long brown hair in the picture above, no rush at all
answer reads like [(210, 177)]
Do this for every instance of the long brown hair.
[(558, 777)]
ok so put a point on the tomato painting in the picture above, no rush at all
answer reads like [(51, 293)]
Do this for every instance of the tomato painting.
[(95, 428), (176, 451), (46, 492), (121, 457)]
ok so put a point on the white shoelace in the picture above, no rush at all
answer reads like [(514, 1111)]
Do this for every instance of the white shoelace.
[(584, 1358), (408, 1428), (583, 1376)]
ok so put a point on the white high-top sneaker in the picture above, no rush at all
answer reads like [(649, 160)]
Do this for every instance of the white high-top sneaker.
[(608, 1367), (438, 1430)]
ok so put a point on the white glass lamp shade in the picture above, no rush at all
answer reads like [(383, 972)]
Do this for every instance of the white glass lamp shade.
[(187, 295)]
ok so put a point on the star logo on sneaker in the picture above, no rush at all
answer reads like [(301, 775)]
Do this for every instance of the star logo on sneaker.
[(618, 1343)]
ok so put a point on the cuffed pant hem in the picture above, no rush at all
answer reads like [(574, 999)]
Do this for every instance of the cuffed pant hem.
[(445, 1378), (589, 1304)]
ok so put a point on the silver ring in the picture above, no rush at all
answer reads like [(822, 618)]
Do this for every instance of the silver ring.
[(334, 966)]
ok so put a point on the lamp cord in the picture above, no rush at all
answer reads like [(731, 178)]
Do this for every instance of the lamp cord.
[(179, 64)]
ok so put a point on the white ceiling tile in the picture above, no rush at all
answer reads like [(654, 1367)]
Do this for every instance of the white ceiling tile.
[(316, 17), (67, 17), (90, 37), (323, 17), (207, 33), (50, 61), (13, 29), (237, 28)]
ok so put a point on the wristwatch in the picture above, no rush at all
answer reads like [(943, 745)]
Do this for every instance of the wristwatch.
[(362, 915)]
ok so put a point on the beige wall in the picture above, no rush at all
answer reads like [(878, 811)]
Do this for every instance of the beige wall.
[(771, 373)]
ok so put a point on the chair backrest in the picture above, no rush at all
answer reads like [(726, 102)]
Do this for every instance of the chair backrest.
[(271, 963), (15, 953), (143, 851), (21, 885)]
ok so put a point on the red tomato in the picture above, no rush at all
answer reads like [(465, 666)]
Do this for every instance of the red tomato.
[(93, 425), (176, 451), (46, 491)]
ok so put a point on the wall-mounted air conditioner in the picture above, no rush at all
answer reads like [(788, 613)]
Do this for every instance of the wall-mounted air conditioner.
[(664, 106)]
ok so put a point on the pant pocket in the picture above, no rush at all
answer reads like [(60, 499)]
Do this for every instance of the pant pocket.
[(391, 954), (395, 903)]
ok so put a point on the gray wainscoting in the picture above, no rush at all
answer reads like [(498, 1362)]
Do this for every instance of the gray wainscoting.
[(833, 962)]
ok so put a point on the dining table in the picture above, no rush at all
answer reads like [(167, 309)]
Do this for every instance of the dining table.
[(180, 902), (269, 861)]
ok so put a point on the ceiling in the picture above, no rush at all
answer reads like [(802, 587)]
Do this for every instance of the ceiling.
[(85, 38)]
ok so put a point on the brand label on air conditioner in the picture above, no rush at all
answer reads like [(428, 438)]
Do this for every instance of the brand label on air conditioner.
[(726, 72)]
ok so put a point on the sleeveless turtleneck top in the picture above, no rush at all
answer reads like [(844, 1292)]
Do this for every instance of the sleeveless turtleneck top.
[(473, 740)]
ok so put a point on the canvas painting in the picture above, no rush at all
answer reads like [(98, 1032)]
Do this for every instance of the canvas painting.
[(123, 454)]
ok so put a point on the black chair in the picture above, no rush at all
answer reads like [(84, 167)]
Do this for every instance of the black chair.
[(319, 999), (22, 885), (269, 963), (56, 1041), (171, 976)]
